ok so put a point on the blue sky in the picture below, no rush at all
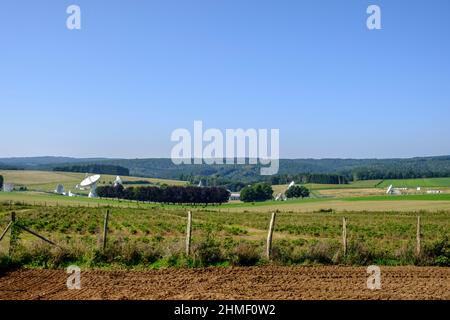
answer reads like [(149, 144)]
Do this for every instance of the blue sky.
[(137, 70)]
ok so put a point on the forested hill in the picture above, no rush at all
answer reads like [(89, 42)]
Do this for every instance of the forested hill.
[(358, 169)]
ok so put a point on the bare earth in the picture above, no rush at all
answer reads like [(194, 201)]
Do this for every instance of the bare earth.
[(271, 282)]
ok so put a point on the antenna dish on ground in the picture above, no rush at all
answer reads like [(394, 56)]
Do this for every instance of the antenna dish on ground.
[(59, 189), (389, 189), (90, 182), (118, 181)]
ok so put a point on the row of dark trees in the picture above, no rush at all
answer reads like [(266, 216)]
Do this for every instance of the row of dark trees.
[(378, 173), (258, 192), (302, 178), (167, 194), (96, 168)]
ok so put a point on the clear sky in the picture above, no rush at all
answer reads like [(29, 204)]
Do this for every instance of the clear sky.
[(137, 70)]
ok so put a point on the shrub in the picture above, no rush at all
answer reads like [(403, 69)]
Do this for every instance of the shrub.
[(207, 253), (321, 252), (439, 252), (245, 254)]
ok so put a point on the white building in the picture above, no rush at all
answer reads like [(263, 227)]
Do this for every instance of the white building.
[(235, 196)]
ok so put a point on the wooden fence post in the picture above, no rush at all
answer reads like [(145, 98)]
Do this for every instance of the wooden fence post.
[(13, 237), (418, 236), (188, 234), (269, 236), (344, 235), (105, 229)]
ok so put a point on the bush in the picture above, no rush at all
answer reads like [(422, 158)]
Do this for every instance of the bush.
[(439, 252), (245, 254), (322, 252), (207, 253), (297, 192), (257, 192)]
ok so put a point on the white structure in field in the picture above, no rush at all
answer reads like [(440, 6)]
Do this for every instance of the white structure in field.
[(282, 196), (118, 181), (390, 190), (235, 196), (90, 183), (8, 187), (434, 191), (200, 184), (59, 189)]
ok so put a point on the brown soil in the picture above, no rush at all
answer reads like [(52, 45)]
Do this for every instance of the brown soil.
[(271, 282)]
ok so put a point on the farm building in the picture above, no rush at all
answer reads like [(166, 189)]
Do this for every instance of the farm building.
[(235, 196)]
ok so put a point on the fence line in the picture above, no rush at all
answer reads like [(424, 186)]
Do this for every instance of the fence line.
[(14, 223)]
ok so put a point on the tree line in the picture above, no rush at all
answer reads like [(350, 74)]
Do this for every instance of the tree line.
[(214, 181), (96, 168), (168, 194), (303, 178)]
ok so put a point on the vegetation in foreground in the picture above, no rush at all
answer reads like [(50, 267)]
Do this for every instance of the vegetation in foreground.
[(155, 238)]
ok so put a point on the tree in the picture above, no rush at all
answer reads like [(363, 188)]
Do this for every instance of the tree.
[(257, 192), (1, 182), (297, 192)]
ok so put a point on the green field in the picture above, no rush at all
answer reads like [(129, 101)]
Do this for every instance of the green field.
[(46, 181), (154, 238), (414, 183)]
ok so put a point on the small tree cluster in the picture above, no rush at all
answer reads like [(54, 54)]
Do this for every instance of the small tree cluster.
[(297, 192), (257, 192), (1, 183), (167, 194)]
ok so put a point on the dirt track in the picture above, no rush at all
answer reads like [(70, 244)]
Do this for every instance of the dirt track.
[(231, 283)]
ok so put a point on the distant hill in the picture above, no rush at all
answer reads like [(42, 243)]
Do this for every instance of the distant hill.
[(35, 162), (357, 169)]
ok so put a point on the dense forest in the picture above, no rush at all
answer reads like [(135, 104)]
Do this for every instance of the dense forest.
[(350, 169), (323, 178), (96, 168), (168, 194)]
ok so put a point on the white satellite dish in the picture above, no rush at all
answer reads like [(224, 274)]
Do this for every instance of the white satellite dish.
[(291, 185), (90, 182), (118, 181), (389, 190), (59, 189)]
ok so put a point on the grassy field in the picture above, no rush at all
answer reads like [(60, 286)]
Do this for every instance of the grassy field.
[(414, 183), (154, 238), (429, 202), (47, 180), (316, 186)]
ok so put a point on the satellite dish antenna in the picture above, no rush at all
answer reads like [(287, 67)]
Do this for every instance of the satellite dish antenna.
[(291, 185), (389, 190), (91, 182), (118, 181), (59, 189)]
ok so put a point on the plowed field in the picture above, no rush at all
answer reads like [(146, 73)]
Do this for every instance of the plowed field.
[(271, 282)]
